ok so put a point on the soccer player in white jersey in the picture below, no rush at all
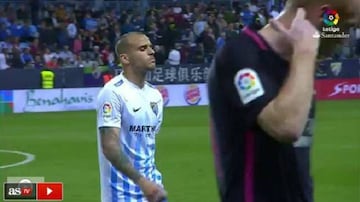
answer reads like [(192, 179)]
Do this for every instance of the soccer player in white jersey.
[(129, 115)]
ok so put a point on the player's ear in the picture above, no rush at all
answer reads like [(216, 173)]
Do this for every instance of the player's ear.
[(124, 59)]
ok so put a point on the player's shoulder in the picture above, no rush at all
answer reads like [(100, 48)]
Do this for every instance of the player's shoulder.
[(114, 86), (115, 82)]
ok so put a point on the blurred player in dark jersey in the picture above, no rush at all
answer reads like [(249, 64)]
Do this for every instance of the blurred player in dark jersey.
[(262, 103)]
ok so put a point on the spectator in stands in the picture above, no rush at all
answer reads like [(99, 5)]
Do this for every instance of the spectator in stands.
[(231, 32), (77, 45), (52, 63), (39, 62), (60, 13), (34, 47), (357, 45), (30, 31), (105, 54), (3, 64), (90, 23), (128, 26), (213, 25), (159, 54), (26, 58), (66, 55), (274, 12), (221, 22), (48, 55), (246, 15), (199, 25), (71, 29), (15, 56), (4, 31), (174, 57), (138, 23), (208, 42), (22, 13), (47, 34), (220, 41)]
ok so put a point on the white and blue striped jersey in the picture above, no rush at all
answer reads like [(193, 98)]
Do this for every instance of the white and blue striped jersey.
[(138, 113)]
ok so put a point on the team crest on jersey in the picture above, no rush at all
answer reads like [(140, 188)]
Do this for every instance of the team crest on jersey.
[(154, 107)]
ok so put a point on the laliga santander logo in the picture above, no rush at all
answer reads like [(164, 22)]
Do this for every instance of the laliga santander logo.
[(331, 17), (192, 94), (164, 93), (246, 81)]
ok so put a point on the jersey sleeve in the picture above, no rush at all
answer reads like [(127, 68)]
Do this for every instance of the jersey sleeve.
[(247, 82), (108, 109)]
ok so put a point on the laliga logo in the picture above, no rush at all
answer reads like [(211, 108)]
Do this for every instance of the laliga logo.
[(164, 93), (346, 88), (107, 108), (192, 94), (331, 17), (246, 81)]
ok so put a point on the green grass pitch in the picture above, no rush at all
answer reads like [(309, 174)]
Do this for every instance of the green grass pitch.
[(65, 147)]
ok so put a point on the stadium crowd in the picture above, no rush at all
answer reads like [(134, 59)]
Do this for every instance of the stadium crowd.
[(73, 35)]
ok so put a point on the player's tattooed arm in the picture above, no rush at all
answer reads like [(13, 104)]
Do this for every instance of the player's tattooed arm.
[(110, 137)]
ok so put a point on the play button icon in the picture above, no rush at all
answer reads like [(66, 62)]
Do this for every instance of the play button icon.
[(50, 191)]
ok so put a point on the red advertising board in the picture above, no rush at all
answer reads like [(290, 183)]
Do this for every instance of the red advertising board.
[(337, 89)]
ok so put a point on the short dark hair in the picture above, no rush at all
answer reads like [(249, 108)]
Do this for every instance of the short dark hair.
[(123, 43)]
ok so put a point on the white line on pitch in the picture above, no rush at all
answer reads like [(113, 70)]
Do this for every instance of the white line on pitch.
[(28, 159)]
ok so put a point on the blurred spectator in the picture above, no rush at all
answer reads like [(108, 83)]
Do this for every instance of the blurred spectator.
[(90, 23), (77, 45), (159, 54), (71, 29), (174, 57), (247, 16), (220, 41), (48, 55), (66, 55), (274, 12), (105, 54), (39, 62), (213, 25), (208, 41), (34, 47), (221, 23), (60, 13), (357, 45), (3, 64), (52, 63), (199, 25), (4, 32), (128, 26), (22, 13), (15, 58), (26, 57)]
